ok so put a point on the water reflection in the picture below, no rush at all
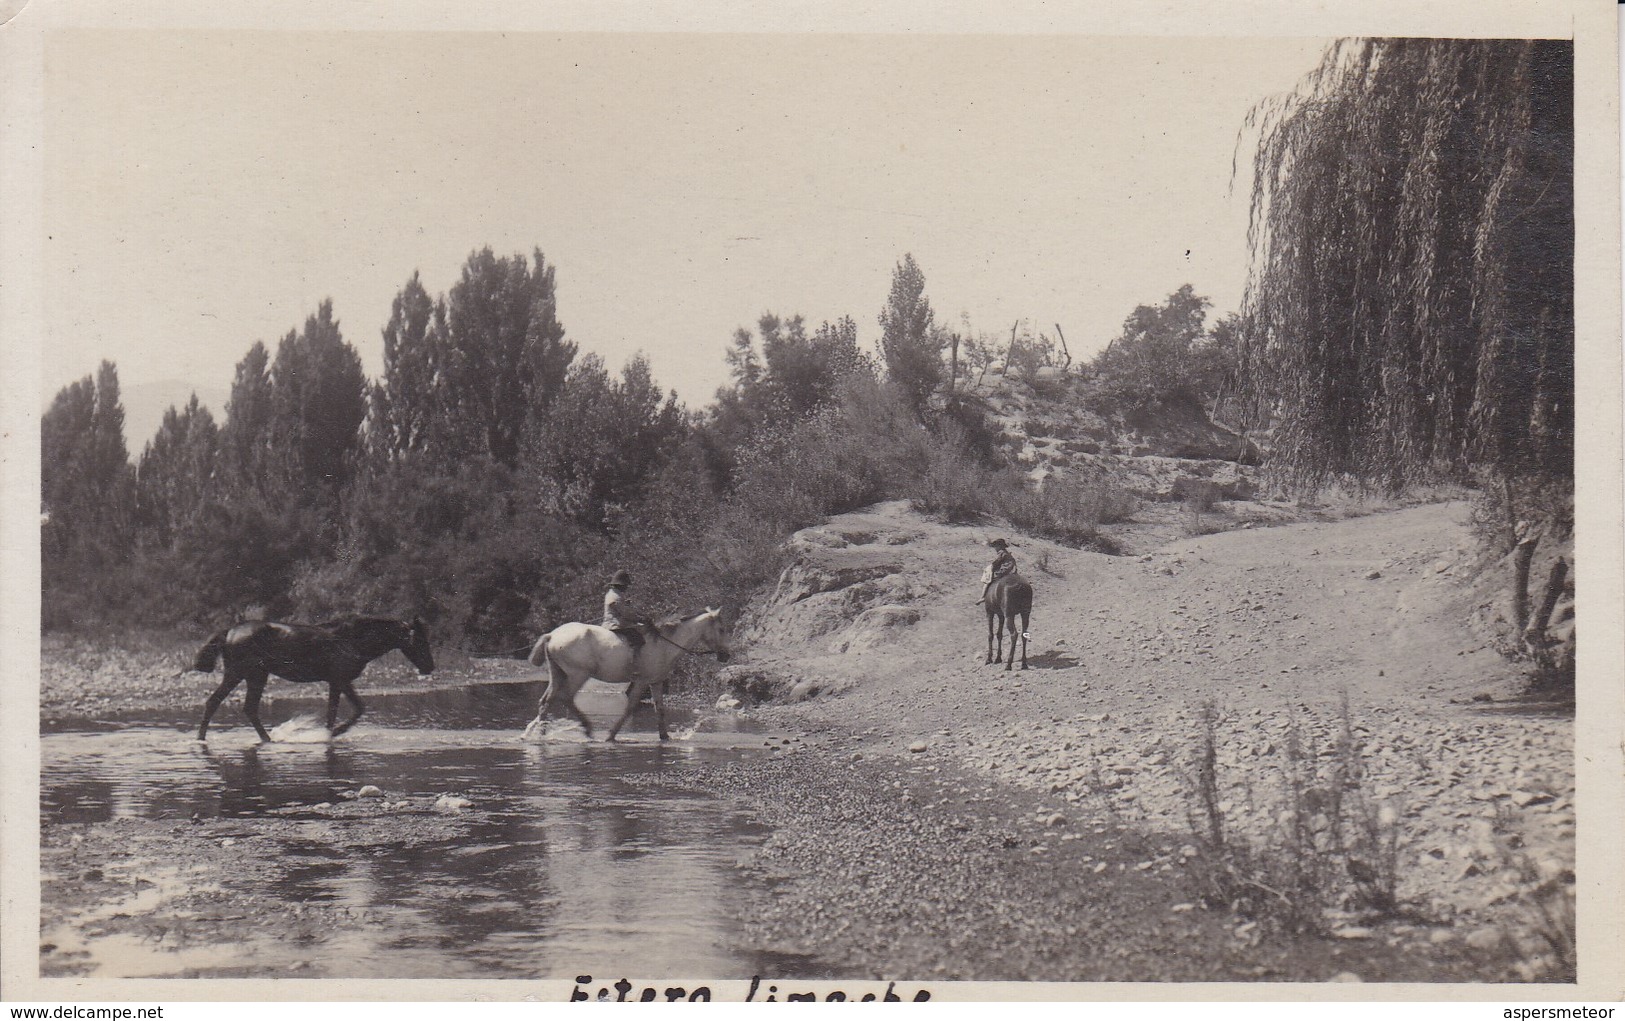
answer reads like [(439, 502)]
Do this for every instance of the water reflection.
[(564, 864)]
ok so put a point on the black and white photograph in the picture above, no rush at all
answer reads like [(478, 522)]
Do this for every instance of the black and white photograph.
[(804, 505)]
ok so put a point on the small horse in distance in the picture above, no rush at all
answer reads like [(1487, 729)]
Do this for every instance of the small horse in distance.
[(332, 653), (575, 652), (1008, 597)]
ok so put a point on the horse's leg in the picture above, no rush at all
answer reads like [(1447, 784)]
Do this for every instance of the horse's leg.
[(1006, 618), (332, 706), (575, 710), (660, 708), (1025, 619), (227, 686), (541, 713), (989, 637), (555, 687), (251, 704), (349, 692), (639, 686)]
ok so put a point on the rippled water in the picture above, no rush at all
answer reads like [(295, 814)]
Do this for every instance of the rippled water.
[(567, 864)]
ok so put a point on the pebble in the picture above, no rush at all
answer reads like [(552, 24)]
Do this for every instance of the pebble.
[(369, 791), (917, 746), (1484, 939), (451, 803)]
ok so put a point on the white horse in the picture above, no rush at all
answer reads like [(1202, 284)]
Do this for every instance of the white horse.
[(575, 652)]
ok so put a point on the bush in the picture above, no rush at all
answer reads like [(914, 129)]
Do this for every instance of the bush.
[(961, 491), (1028, 354), (966, 425), (863, 450), (1543, 901), (1331, 843), (1068, 512)]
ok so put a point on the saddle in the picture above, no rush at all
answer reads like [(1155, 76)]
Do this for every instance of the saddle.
[(631, 634)]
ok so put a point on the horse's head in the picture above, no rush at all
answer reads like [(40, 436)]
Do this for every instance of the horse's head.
[(714, 634), (417, 648)]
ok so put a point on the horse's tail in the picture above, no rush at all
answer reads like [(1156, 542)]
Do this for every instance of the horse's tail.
[(210, 654), (538, 652), (538, 657)]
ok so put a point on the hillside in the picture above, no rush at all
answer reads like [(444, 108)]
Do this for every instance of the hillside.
[(1067, 424)]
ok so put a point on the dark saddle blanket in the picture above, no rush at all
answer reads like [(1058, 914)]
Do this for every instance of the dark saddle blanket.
[(632, 636)]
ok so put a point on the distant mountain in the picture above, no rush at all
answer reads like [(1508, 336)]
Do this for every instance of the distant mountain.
[(145, 404)]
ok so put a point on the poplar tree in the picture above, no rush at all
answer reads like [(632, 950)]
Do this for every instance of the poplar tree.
[(910, 346), (85, 475), (177, 473), (318, 401), (506, 356)]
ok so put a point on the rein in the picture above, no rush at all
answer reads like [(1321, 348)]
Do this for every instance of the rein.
[(692, 652)]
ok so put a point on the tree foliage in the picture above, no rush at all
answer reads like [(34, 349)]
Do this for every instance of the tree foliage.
[(177, 474), (246, 437), (488, 480), (403, 405), (318, 401), (1409, 314), (791, 376), (1166, 354), (505, 356), (595, 451), (910, 345), (85, 476)]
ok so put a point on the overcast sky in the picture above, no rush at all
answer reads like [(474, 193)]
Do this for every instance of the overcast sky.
[(204, 190)]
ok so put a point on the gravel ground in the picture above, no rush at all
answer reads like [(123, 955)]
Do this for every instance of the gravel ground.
[(888, 869)]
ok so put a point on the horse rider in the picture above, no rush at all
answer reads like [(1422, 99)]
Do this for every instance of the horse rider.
[(618, 614), (620, 619), (1003, 563)]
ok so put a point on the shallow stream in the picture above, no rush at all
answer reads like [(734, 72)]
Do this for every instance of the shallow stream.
[(571, 861)]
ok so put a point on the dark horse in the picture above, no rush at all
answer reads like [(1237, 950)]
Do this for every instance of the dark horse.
[(333, 653), (1007, 598)]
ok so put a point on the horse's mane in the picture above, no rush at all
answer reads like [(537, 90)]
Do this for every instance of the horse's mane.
[(675, 619)]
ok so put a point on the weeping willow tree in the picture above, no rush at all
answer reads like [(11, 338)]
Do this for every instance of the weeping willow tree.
[(1409, 314)]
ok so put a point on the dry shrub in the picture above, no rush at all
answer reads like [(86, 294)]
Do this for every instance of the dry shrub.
[(1543, 947), (1330, 843), (962, 491)]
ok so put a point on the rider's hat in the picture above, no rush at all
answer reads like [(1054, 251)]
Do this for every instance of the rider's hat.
[(998, 544), (621, 580)]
